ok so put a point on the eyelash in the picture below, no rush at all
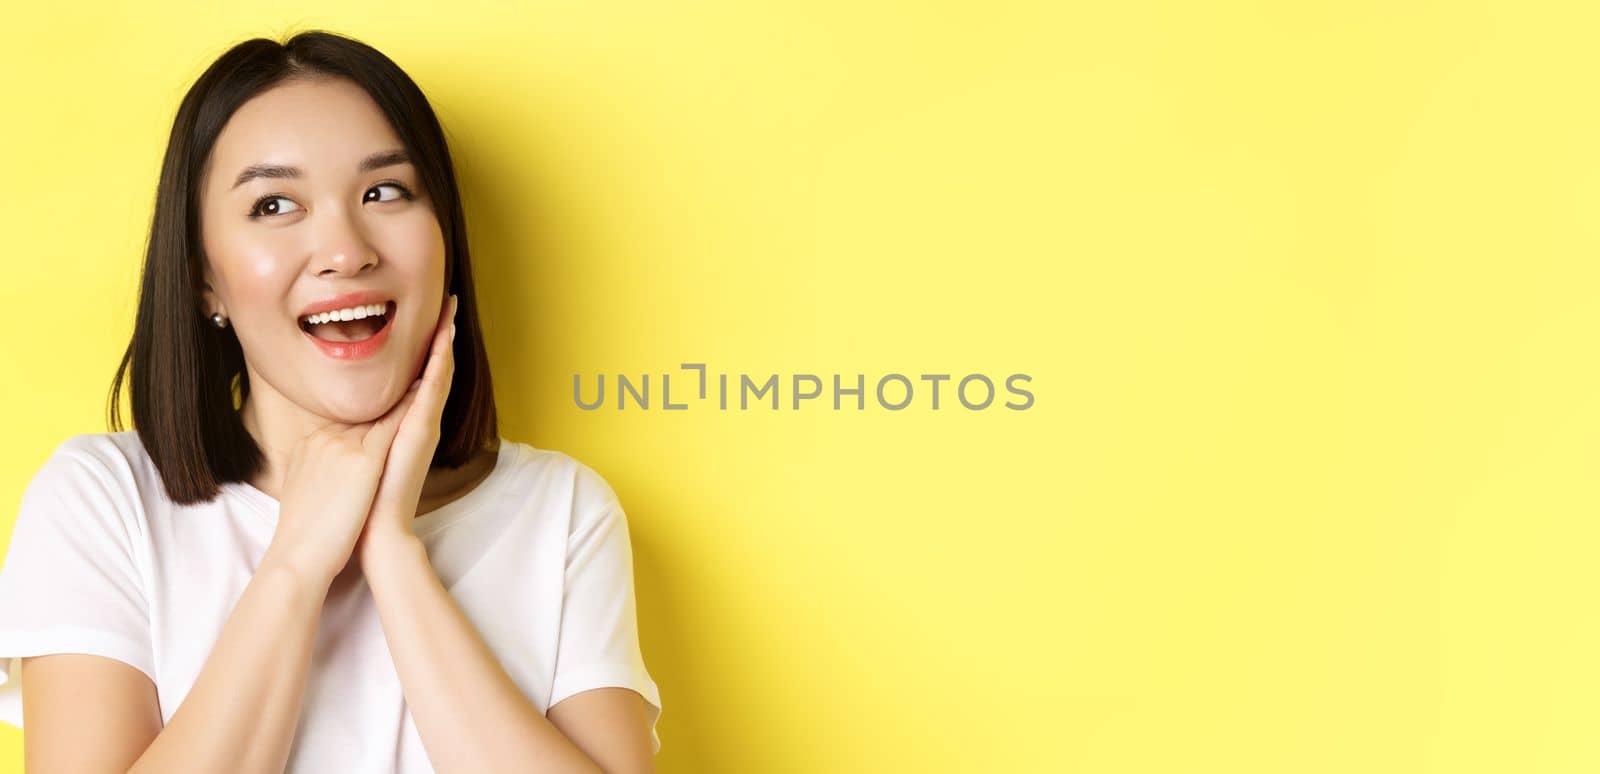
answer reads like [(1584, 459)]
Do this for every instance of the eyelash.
[(256, 213)]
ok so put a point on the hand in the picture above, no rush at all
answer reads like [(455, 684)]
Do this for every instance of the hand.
[(394, 506), (330, 479)]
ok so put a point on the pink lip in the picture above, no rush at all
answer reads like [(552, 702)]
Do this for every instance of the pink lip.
[(354, 350), (354, 298)]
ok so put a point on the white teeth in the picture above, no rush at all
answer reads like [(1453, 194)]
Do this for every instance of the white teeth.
[(351, 313)]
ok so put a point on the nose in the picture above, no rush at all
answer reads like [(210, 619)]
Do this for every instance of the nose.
[(342, 250)]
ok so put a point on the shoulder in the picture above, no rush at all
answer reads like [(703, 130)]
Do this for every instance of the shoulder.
[(562, 476), (113, 460), (90, 481)]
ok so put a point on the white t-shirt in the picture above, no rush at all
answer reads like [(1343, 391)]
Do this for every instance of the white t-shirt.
[(537, 556)]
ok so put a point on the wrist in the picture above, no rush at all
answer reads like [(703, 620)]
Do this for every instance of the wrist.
[(296, 570), (386, 544)]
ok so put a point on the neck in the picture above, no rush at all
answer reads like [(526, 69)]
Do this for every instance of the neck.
[(277, 424)]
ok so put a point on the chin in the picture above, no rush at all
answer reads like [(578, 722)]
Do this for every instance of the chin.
[(357, 408)]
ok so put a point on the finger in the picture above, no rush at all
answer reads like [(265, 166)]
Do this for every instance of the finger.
[(441, 361), (452, 322), (447, 313), (441, 327)]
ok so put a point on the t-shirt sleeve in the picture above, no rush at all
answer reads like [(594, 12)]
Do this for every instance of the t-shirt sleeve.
[(71, 582), (599, 639)]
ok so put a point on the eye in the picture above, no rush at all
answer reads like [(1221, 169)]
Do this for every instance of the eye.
[(268, 201), (405, 193)]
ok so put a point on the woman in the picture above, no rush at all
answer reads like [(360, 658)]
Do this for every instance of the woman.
[(315, 553)]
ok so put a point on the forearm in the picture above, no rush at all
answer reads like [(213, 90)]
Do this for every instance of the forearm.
[(469, 713), (242, 711)]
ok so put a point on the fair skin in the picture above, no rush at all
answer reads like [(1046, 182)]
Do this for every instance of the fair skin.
[(347, 448)]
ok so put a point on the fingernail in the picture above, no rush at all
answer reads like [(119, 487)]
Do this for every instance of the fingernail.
[(452, 331), (455, 303)]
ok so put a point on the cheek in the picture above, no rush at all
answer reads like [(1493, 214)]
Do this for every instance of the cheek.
[(261, 284), (256, 282), (416, 257), (263, 268), (416, 243), (252, 266)]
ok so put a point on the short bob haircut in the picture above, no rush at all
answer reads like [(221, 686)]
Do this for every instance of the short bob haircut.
[(186, 378)]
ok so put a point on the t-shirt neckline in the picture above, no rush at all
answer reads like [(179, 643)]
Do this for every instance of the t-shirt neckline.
[(423, 525)]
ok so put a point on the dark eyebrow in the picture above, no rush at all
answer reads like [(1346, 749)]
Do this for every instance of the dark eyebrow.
[(377, 160)]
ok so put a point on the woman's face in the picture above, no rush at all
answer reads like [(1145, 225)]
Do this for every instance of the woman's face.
[(283, 244)]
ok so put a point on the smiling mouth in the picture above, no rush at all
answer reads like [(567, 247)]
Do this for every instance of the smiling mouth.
[(351, 330)]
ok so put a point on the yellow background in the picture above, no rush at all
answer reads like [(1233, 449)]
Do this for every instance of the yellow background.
[(1306, 291)]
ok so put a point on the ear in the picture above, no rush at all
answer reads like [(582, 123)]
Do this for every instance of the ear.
[(209, 300)]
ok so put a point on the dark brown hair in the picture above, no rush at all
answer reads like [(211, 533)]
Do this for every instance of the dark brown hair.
[(183, 372)]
